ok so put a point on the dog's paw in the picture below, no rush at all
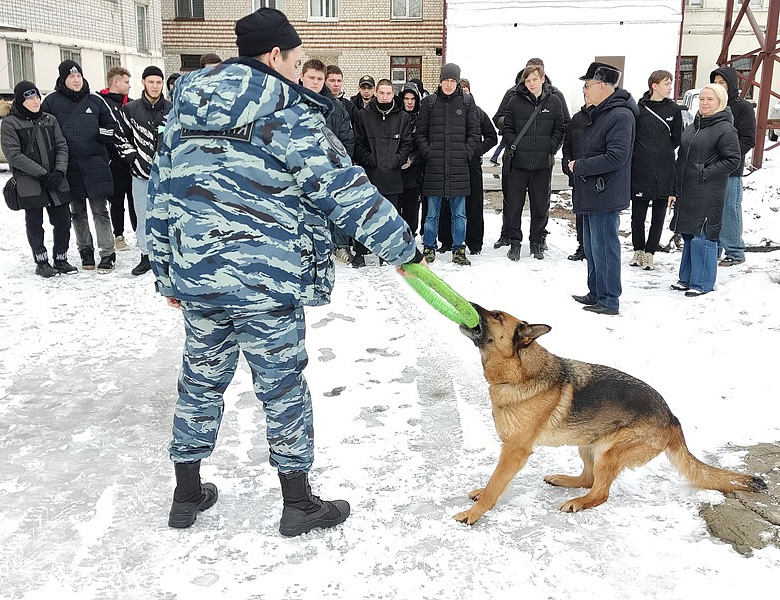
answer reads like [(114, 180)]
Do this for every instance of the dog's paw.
[(476, 494), (469, 517), (571, 506)]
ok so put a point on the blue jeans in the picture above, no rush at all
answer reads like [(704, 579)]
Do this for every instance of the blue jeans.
[(458, 209), (602, 251), (699, 264), (731, 227)]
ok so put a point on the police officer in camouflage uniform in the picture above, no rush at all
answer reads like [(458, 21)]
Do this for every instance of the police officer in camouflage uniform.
[(240, 194)]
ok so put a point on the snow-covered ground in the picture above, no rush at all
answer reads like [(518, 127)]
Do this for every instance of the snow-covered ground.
[(88, 368)]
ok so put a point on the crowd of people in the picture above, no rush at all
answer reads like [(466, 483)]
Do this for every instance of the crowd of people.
[(262, 157)]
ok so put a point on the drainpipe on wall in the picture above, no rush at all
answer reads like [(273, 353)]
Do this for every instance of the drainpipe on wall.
[(444, 34), (679, 54)]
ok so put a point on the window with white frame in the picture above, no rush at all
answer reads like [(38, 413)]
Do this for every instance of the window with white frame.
[(258, 4), (755, 2), (142, 27), (20, 62), (189, 9), (73, 54), (693, 2), (406, 9), (323, 9)]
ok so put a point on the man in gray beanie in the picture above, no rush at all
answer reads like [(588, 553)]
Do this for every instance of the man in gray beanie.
[(240, 195), (448, 135)]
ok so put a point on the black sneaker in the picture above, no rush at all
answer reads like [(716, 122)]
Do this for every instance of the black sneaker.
[(502, 241), (44, 269), (143, 266), (64, 267), (537, 251), (87, 259), (358, 262), (579, 254), (106, 264), (514, 252), (444, 248)]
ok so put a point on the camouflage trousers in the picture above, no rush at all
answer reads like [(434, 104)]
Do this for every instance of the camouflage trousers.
[(273, 344)]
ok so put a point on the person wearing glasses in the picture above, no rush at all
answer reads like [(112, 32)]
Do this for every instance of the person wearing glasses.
[(602, 183), (37, 152)]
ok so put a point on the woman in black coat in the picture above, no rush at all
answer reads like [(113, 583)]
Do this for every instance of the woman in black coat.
[(709, 152), (37, 152), (658, 132)]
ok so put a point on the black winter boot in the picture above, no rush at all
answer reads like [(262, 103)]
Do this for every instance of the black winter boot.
[(143, 266), (190, 497), (514, 251), (304, 511)]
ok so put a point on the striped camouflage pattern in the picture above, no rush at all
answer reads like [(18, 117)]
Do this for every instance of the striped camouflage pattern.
[(273, 344), (242, 187)]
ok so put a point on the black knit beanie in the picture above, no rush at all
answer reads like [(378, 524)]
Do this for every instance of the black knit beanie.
[(264, 30), (69, 66), (152, 71), (25, 90)]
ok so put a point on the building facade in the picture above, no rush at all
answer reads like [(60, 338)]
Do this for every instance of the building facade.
[(394, 39), (702, 39), (35, 36)]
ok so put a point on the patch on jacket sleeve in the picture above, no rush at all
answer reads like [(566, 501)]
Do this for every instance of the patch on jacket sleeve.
[(238, 134), (334, 141)]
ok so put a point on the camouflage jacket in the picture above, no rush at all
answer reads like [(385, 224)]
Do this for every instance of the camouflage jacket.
[(241, 190)]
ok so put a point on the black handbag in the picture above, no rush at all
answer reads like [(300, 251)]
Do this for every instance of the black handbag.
[(10, 193)]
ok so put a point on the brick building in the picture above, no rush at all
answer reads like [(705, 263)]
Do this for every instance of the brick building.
[(394, 39), (35, 36)]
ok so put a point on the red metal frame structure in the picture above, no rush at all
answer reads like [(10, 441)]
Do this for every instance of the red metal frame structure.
[(764, 57)]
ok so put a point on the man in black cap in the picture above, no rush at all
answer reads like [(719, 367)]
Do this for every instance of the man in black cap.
[(142, 122), (89, 128), (366, 86), (245, 181), (602, 183)]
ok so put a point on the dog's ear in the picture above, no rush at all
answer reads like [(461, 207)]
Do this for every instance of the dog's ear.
[(526, 333)]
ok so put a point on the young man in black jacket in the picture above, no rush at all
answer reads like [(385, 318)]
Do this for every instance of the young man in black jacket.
[(143, 121), (475, 216), (116, 96), (529, 169), (89, 129), (745, 123), (383, 142), (448, 137)]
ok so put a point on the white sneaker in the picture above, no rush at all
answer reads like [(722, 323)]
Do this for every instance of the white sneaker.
[(647, 262), (120, 243), (637, 260), (344, 255)]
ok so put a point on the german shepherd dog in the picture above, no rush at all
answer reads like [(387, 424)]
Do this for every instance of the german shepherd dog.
[(616, 420)]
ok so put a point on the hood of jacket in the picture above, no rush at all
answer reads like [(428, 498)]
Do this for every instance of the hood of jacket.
[(619, 99), (59, 86), (235, 93), (120, 99), (731, 77), (410, 87), (5, 108)]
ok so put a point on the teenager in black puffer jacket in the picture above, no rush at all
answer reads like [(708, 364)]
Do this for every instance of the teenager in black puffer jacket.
[(37, 153), (658, 131), (529, 169)]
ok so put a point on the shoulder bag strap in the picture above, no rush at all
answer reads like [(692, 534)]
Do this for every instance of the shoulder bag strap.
[(530, 120)]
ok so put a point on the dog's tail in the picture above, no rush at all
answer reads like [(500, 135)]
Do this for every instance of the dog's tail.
[(704, 476)]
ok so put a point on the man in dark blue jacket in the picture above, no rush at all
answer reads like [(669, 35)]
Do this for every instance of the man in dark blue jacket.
[(602, 183)]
